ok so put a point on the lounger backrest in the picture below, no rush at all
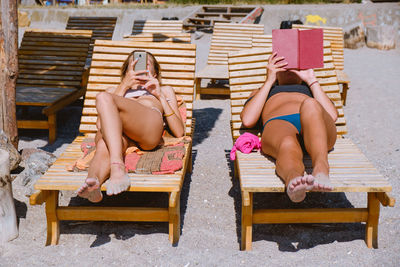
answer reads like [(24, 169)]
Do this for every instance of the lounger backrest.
[(52, 58), (334, 35), (177, 70), (247, 72), (157, 26), (262, 41), (231, 37), (102, 27), (181, 37)]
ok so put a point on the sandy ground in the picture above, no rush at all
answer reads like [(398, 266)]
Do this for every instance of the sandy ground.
[(210, 208)]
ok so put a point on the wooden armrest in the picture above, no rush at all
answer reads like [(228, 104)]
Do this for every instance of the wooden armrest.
[(386, 199), (342, 77), (38, 198)]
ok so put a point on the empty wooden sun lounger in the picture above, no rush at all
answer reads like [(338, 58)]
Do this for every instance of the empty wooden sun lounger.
[(177, 69), (334, 35), (350, 170), (51, 63), (226, 37), (157, 26), (102, 27), (182, 37)]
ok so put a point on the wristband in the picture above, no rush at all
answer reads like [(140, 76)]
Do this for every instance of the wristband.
[(316, 81)]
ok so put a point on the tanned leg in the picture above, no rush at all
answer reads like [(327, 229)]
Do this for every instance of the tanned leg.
[(98, 171), (319, 133), (119, 115), (279, 140)]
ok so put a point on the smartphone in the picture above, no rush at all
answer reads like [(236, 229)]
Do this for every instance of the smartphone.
[(141, 64)]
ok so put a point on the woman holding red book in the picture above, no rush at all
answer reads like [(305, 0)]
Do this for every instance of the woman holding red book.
[(295, 113)]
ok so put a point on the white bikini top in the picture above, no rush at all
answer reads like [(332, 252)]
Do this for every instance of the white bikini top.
[(136, 93)]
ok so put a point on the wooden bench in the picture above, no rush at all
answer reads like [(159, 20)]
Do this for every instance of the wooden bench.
[(350, 170), (51, 64), (177, 70), (334, 35), (160, 37), (226, 37), (157, 26)]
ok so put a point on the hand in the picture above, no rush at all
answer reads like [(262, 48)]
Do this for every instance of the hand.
[(307, 76), (275, 65), (152, 85), (132, 78)]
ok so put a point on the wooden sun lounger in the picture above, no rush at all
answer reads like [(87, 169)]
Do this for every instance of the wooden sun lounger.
[(350, 170), (102, 28), (334, 35), (226, 37), (177, 70), (160, 37), (51, 64), (157, 26)]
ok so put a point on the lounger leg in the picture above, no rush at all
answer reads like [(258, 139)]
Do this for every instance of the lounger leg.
[(174, 217), (190, 163), (198, 89), (52, 127), (344, 93), (247, 220), (53, 224), (371, 234), (236, 170)]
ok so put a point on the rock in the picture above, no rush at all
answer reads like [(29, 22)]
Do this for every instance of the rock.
[(36, 164), (354, 37), (15, 157), (381, 37)]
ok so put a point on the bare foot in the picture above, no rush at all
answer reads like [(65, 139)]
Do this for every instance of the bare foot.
[(298, 187), (322, 183), (91, 190), (118, 181)]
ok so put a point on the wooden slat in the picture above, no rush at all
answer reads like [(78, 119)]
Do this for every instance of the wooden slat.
[(157, 26)]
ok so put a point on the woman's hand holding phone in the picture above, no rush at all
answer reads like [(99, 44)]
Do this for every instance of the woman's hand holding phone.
[(132, 78)]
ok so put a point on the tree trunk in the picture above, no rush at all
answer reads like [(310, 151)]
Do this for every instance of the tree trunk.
[(9, 68), (8, 219)]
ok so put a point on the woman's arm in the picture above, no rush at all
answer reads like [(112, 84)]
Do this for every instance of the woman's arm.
[(167, 97), (252, 110), (308, 76), (171, 111)]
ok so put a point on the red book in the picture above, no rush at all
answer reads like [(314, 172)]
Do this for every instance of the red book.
[(302, 49)]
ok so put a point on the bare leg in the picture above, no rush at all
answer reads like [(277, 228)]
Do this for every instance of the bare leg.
[(279, 140), (319, 133), (139, 122), (98, 171)]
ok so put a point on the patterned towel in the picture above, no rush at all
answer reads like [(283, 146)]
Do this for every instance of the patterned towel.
[(163, 160)]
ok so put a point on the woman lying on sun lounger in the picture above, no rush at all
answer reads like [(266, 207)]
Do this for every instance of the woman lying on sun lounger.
[(134, 111), (294, 112)]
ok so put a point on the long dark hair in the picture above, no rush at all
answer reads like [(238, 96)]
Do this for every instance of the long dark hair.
[(156, 65)]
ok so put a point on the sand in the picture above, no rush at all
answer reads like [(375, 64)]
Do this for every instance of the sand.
[(211, 197)]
